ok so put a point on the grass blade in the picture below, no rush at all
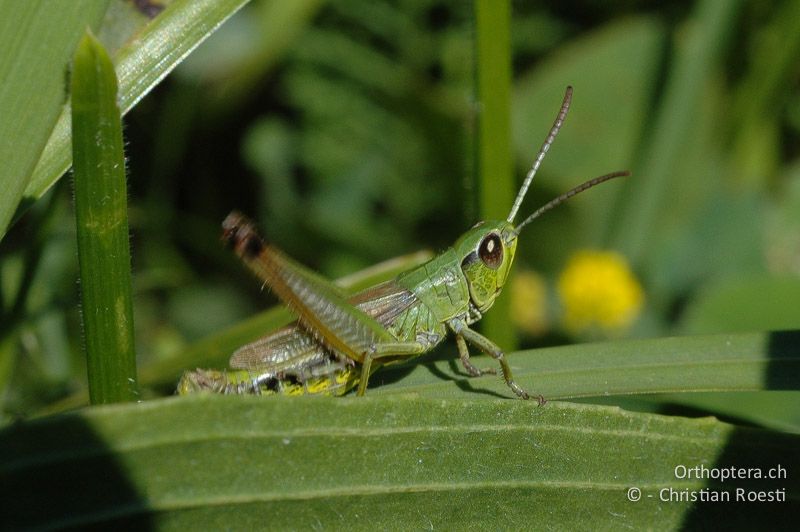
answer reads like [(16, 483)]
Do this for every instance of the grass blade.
[(493, 150), (102, 222), (724, 362), (37, 38), (377, 463), (141, 65)]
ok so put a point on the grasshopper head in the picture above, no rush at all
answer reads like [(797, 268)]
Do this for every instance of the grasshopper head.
[(488, 251), (488, 248)]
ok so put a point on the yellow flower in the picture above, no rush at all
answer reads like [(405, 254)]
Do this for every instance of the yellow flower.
[(598, 290), (529, 302)]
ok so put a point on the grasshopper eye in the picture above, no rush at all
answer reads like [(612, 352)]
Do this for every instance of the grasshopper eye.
[(490, 251)]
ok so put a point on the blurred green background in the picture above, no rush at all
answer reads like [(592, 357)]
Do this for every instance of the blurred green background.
[(347, 129)]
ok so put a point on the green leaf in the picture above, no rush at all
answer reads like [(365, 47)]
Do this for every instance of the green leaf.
[(37, 38), (213, 462), (725, 362), (101, 211), (140, 65)]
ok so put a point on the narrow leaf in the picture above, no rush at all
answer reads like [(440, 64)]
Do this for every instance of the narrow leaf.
[(724, 362), (37, 38), (102, 223), (494, 159), (141, 65)]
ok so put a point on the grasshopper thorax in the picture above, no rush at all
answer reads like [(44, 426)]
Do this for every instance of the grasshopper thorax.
[(487, 252)]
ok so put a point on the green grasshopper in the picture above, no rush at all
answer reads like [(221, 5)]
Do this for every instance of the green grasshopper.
[(339, 341)]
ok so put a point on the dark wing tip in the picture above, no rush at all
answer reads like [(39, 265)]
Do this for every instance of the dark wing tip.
[(239, 233)]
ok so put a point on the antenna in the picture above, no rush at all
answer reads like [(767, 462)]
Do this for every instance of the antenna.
[(567, 195), (562, 114)]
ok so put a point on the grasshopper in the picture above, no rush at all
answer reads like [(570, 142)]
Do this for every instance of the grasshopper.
[(338, 341)]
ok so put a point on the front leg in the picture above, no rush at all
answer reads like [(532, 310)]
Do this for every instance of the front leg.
[(464, 333), (463, 353)]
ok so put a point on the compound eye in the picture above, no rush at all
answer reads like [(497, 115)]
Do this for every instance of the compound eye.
[(491, 251)]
